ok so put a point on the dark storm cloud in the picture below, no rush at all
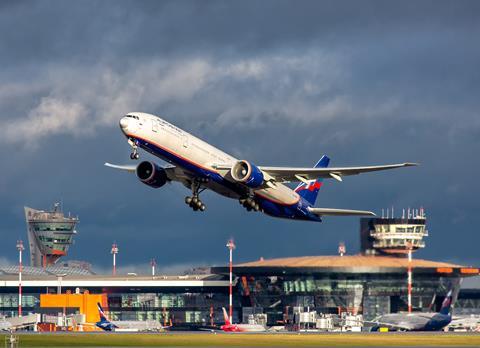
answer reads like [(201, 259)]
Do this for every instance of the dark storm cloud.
[(278, 82)]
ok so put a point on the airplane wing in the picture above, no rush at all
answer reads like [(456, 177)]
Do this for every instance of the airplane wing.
[(294, 174), (286, 174), (339, 212)]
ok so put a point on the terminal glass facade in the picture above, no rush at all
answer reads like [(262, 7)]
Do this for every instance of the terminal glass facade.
[(367, 294)]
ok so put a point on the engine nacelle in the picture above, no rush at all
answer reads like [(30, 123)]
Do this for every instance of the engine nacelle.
[(151, 174), (247, 174)]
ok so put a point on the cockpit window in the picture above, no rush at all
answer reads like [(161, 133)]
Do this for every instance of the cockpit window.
[(131, 116)]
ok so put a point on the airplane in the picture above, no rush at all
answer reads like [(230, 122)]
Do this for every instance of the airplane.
[(417, 321), (200, 166), (131, 325), (229, 327)]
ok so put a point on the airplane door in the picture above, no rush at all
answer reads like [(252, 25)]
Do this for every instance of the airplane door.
[(154, 126)]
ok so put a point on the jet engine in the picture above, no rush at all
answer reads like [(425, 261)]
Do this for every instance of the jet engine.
[(151, 174), (247, 174)]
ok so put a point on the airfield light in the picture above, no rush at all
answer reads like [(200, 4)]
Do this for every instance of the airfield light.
[(20, 249), (409, 247), (230, 246), (153, 263), (114, 252), (342, 249)]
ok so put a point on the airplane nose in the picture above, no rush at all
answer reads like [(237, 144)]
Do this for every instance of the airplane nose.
[(124, 121)]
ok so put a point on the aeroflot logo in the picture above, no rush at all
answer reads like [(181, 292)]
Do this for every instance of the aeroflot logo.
[(447, 301), (312, 186)]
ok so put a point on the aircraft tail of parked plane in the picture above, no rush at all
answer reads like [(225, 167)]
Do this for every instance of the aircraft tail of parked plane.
[(309, 191), (447, 304), (225, 317), (104, 323)]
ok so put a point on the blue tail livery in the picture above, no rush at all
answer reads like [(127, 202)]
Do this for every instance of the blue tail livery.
[(104, 323), (309, 191), (447, 304)]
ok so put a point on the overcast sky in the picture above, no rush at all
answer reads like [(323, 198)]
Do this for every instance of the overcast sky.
[(275, 82)]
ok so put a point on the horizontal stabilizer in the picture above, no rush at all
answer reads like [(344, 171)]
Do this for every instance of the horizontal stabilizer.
[(339, 212)]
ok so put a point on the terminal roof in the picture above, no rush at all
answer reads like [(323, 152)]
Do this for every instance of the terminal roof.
[(346, 261)]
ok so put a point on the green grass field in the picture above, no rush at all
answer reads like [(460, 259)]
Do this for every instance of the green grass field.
[(245, 340)]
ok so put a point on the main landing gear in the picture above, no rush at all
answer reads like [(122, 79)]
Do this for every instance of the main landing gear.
[(194, 202), (249, 204), (134, 144)]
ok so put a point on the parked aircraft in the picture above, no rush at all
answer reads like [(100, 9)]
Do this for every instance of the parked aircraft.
[(417, 321), (229, 327), (131, 325), (200, 166)]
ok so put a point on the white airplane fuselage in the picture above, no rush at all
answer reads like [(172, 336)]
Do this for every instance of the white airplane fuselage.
[(196, 158)]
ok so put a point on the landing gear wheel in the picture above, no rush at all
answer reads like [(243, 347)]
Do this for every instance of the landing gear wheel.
[(134, 155), (194, 202), (250, 204)]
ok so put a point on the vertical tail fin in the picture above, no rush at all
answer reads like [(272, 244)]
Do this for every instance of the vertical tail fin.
[(309, 191), (103, 317), (225, 317), (447, 303)]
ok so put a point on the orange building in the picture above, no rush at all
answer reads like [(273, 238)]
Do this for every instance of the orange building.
[(86, 303)]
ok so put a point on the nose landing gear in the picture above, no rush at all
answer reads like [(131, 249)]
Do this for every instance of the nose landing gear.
[(134, 155), (134, 144)]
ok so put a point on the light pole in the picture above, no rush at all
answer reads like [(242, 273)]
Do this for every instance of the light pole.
[(114, 252), (59, 282), (230, 246), (20, 249), (409, 271), (153, 263)]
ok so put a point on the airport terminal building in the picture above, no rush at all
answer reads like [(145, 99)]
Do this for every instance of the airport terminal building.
[(372, 283)]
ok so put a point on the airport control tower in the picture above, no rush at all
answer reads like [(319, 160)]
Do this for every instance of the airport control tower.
[(50, 234), (390, 235)]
